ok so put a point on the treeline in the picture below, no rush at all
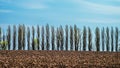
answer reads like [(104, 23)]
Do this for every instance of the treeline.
[(68, 38)]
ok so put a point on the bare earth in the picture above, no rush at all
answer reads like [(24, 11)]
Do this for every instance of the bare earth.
[(59, 59)]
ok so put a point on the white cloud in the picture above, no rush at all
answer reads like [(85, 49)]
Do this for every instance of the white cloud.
[(33, 6), (95, 20), (98, 8), (5, 11), (27, 4)]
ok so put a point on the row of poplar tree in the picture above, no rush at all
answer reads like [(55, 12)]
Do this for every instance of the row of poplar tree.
[(50, 38)]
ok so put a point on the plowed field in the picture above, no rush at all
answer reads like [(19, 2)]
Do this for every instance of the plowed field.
[(59, 59)]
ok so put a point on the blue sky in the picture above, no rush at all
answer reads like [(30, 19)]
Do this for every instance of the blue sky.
[(92, 13), (60, 12)]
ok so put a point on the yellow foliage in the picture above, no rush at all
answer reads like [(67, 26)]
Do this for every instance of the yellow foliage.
[(4, 43), (35, 41)]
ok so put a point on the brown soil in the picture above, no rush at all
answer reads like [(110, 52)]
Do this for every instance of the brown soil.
[(59, 59)]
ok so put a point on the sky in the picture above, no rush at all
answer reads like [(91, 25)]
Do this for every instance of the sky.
[(91, 13)]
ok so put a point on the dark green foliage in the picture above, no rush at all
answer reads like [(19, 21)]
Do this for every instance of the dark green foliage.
[(107, 39), (33, 34), (20, 37), (84, 38), (9, 37), (42, 38), (75, 38), (58, 38), (28, 38), (71, 38), (78, 38), (61, 38), (97, 39), (112, 39), (23, 34), (103, 39), (89, 39), (66, 41), (19, 31), (47, 37), (38, 37), (14, 37), (116, 39), (53, 38)]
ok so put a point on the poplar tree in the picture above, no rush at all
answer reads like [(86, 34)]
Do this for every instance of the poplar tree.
[(28, 38), (20, 37), (116, 38), (53, 38), (107, 39), (58, 38), (14, 37), (38, 37), (103, 39), (78, 38), (84, 38), (33, 34), (112, 40), (61, 38), (75, 37), (9, 37), (47, 37), (42, 38), (66, 41), (23, 36), (89, 39), (71, 38), (97, 39)]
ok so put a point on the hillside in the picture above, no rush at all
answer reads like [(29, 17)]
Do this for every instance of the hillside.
[(61, 59)]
